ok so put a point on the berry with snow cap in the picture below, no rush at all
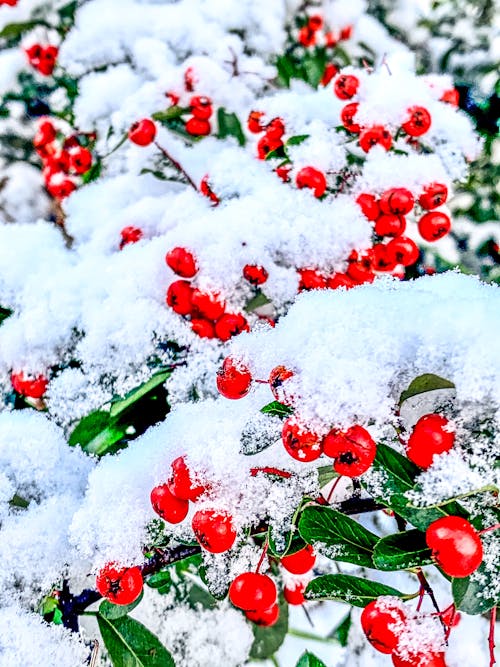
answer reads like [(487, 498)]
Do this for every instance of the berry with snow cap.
[(382, 621), (233, 379), (301, 444)]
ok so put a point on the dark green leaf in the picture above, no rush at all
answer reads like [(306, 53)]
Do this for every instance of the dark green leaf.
[(277, 409), (268, 640), (162, 581), (169, 114), (314, 68), (401, 551), (286, 69), (346, 588), (15, 30), (4, 314), (198, 596), (131, 644), (229, 126), (309, 660), (341, 632), (119, 406), (96, 433), (469, 593), (297, 139), (19, 501), (325, 475), (257, 301), (93, 173), (339, 536), (113, 611), (424, 383)]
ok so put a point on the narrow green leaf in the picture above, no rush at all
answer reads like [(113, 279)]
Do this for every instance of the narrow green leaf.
[(268, 640), (113, 611), (309, 660), (131, 644), (401, 551), (160, 579), (96, 433), (297, 139), (277, 409), (229, 126), (346, 588), (119, 406), (14, 30), (341, 632), (169, 114), (424, 383)]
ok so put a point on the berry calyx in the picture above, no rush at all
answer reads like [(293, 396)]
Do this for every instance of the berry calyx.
[(398, 201), (434, 225), (301, 444), (202, 328), (142, 132), (418, 123), (433, 196), (182, 262), (294, 595), (207, 305), (166, 505), (301, 561), (277, 379), (373, 136), (197, 127), (255, 274), (369, 206), (179, 296), (347, 117), (456, 546), (180, 484), (233, 379), (431, 435), (309, 177), (382, 621), (346, 86), (214, 530), (31, 386), (389, 224), (266, 617), (129, 235), (230, 325), (251, 591), (353, 450), (119, 585), (404, 250)]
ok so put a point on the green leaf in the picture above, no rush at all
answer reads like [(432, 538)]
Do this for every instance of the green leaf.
[(260, 299), (401, 551), (160, 580), (119, 406), (4, 314), (325, 475), (309, 660), (297, 139), (277, 409), (314, 68), (169, 114), (229, 126), (341, 632), (346, 588), (286, 69), (96, 433), (93, 173), (423, 384), (268, 640), (131, 644), (199, 596), (468, 593), (113, 611), (15, 30), (340, 537)]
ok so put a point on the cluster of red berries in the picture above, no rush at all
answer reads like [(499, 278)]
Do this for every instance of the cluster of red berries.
[(42, 58), (10, 3), (198, 106), (31, 386), (62, 162), (313, 33), (209, 318)]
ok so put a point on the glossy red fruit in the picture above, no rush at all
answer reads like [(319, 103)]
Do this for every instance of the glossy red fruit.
[(254, 122), (389, 224), (347, 117), (142, 132), (309, 177), (353, 450), (431, 435), (266, 145), (294, 596), (346, 32), (32, 386), (182, 262), (306, 36), (255, 274), (360, 267), (209, 306), (202, 328), (80, 160), (311, 279), (207, 191), (382, 621), (58, 161), (129, 235), (119, 585), (434, 225), (451, 96), (60, 187), (284, 172), (233, 379), (48, 60), (398, 201), (166, 505), (369, 206), (346, 86), (10, 3), (46, 132), (383, 258), (265, 618), (197, 127), (277, 381), (373, 136), (180, 484), (315, 22), (301, 561), (251, 591), (340, 280), (214, 530), (229, 325), (179, 296), (201, 107), (418, 123), (456, 546), (404, 250), (433, 196), (419, 660), (275, 129), (301, 444), (329, 73)]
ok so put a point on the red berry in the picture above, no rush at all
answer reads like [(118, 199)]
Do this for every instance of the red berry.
[(451, 96), (433, 196), (340, 280), (119, 585), (202, 328), (434, 225), (373, 136), (353, 450), (201, 107), (369, 206), (190, 79), (306, 36), (230, 324), (179, 296), (80, 159), (181, 485), (255, 274), (45, 133), (311, 279), (170, 508), (346, 32), (10, 3), (129, 235), (214, 530), (142, 132), (383, 258), (346, 86), (251, 591), (398, 201), (315, 22), (309, 177), (347, 115), (173, 97), (207, 191), (301, 444), (59, 161), (254, 123), (360, 267), (431, 435), (266, 145), (32, 386), (418, 123), (207, 305), (277, 379), (295, 595), (182, 262), (390, 225), (233, 379), (275, 129), (197, 127), (404, 250), (60, 187), (266, 618), (456, 546), (48, 59), (300, 562), (382, 621), (419, 660), (331, 70)]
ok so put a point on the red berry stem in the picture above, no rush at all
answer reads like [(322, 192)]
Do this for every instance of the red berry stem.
[(428, 589), (334, 486), (262, 556), (177, 165), (490, 528), (491, 636), (421, 594), (271, 471)]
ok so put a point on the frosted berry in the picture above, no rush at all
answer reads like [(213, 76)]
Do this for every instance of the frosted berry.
[(346, 86), (373, 136), (431, 435), (419, 660), (433, 196), (251, 591), (418, 123), (275, 129), (434, 225), (142, 132), (207, 191), (301, 561), (389, 224), (201, 107), (301, 444), (202, 328), (404, 250), (197, 127), (130, 234), (31, 386), (277, 381), (398, 201), (369, 206), (309, 177), (233, 379), (60, 187), (266, 145), (347, 117), (182, 262), (180, 484), (383, 258), (46, 132), (59, 161), (255, 274), (47, 61), (353, 450), (214, 530), (80, 160), (265, 618), (382, 621), (166, 505), (456, 546), (119, 585), (179, 295), (254, 122), (229, 325), (207, 305), (311, 279), (294, 595)]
